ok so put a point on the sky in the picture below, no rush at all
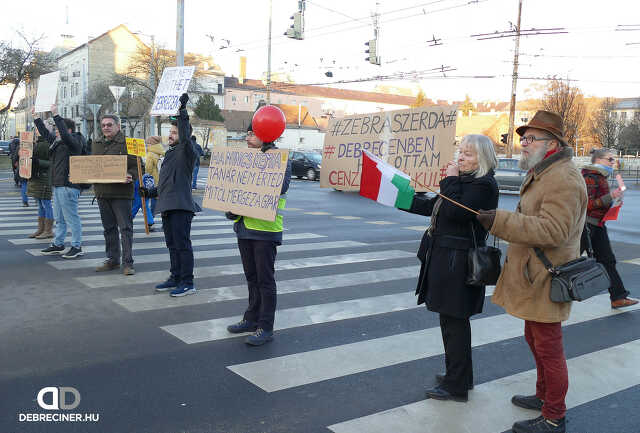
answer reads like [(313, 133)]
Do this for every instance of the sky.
[(602, 60)]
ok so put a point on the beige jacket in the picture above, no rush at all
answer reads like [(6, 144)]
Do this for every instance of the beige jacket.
[(550, 215)]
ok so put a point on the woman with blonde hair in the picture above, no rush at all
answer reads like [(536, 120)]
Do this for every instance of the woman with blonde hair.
[(442, 284)]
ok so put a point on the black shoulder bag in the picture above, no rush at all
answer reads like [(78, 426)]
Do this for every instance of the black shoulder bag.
[(483, 263), (578, 279)]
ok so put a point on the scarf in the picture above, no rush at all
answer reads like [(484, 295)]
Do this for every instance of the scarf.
[(606, 168)]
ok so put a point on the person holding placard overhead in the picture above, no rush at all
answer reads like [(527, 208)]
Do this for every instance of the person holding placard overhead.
[(176, 204), (65, 194), (115, 200), (258, 241)]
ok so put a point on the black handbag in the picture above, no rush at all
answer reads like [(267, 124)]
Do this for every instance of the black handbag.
[(483, 263), (578, 279)]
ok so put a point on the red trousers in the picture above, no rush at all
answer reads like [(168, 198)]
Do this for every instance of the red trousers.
[(545, 341)]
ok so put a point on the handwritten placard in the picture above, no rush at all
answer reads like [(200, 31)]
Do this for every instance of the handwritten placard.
[(47, 91), (98, 169), (245, 181), (26, 137), (174, 82), (419, 141), (135, 146)]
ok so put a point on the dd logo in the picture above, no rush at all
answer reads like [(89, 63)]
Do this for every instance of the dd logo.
[(58, 398)]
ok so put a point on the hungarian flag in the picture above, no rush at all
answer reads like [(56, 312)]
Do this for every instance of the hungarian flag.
[(385, 184)]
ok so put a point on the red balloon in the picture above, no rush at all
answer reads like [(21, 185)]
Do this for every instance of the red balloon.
[(268, 123)]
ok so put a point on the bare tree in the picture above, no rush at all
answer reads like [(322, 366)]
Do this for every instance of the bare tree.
[(605, 127), (18, 65), (567, 101)]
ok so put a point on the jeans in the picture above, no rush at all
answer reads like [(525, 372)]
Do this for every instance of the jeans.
[(196, 169), (137, 205), (23, 191), (65, 200), (177, 234), (258, 261), (44, 208), (116, 216), (604, 255), (545, 342)]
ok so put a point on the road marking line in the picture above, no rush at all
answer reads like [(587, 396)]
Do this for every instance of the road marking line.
[(380, 222), (347, 217), (215, 271)]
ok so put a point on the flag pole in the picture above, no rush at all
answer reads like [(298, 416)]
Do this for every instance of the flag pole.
[(446, 198)]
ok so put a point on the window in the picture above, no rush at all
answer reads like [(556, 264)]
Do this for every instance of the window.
[(233, 98), (219, 89), (65, 108), (77, 111), (64, 92), (246, 99)]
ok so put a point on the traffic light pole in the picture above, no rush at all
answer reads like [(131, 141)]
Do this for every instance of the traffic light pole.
[(514, 82)]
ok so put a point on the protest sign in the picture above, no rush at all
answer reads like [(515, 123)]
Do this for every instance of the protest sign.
[(246, 181), (25, 153), (98, 169), (47, 91), (174, 82), (135, 146), (419, 141)]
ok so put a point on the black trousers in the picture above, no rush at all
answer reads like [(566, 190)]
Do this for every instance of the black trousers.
[(177, 234), (456, 336), (258, 261), (604, 254)]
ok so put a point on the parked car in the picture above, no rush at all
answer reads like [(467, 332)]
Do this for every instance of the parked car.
[(508, 175), (305, 164), (4, 147)]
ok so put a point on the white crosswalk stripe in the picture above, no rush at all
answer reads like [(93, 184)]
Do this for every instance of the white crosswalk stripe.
[(309, 367), (493, 398), (215, 271), (32, 222)]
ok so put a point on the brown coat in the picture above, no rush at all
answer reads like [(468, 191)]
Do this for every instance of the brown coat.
[(550, 215)]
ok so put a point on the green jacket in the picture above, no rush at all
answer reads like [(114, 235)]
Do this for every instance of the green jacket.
[(116, 146), (39, 186)]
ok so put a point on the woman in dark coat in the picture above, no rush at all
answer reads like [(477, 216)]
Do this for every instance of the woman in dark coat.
[(443, 254), (39, 187)]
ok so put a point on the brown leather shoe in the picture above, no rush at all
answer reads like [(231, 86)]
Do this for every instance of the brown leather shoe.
[(128, 270), (108, 265), (624, 302)]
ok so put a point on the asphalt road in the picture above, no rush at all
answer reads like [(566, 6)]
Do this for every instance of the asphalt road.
[(353, 352)]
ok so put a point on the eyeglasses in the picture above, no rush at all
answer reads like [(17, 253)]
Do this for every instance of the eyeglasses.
[(529, 139), (610, 159), (250, 133), (107, 125)]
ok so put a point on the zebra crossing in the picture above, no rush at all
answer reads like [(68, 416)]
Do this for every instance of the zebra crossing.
[(341, 263)]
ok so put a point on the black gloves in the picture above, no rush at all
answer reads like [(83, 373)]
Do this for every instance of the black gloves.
[(183, 101), (486, 218), (231, 216), (148, 193)]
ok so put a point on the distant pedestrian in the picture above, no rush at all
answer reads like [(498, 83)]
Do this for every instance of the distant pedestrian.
[(14, 149), (63, 145), (115, 200), (39, 187), (550, 216), (601, 199), (196, 163), (176, 204), (155, 152)]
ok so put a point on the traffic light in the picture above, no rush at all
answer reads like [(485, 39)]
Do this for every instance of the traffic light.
[(504, 138), (372, 50), (296, 31)]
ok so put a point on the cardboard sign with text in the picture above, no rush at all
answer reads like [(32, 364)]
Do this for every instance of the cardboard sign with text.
[(25, 153), (245, 181), (135, 146), (419, 141), (174, 82), (98, 169), (47, 91)]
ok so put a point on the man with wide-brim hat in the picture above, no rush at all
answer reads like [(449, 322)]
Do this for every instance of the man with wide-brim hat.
[(550, 216)]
